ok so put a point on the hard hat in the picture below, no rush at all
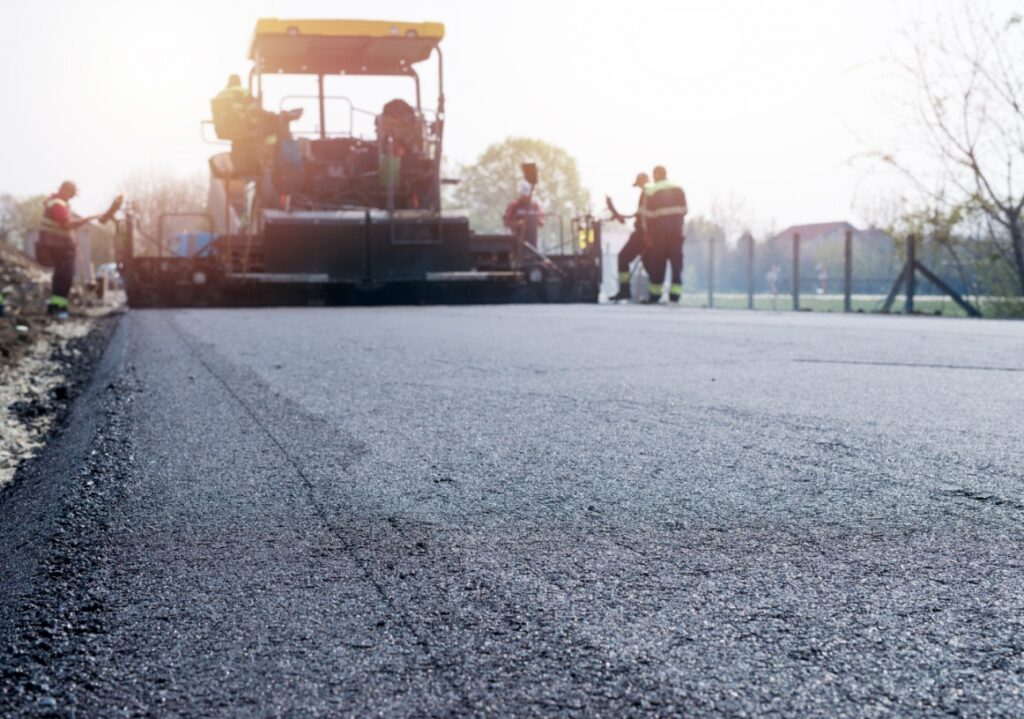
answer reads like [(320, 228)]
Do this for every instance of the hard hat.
[(525, 188), (641, 180)]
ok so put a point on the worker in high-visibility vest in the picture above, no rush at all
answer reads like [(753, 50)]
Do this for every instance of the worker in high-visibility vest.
[(637, 245), (255, 133), (235, 111), (235, 90), (663, 215), (56, 245)]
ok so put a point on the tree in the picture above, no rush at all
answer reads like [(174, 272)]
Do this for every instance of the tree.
[(700, 232), (733, 214), (101, 244), (18, 217), (152, 194), (488, 185), (968, 69)]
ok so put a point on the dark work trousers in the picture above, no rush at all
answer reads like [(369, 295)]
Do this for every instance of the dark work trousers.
[(635, 247), (63, 256), (666, 247)]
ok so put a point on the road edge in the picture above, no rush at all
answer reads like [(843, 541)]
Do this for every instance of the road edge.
[(39, 503)]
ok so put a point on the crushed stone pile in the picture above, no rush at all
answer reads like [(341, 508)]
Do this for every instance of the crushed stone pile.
[(33, 388)]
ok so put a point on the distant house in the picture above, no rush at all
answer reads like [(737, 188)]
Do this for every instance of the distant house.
[(826, 232), (816, 232)]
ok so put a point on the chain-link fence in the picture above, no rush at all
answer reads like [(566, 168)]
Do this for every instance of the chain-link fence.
[(852, 272)]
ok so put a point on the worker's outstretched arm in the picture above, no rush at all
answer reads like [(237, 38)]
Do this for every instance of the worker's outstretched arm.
[(75, 224)]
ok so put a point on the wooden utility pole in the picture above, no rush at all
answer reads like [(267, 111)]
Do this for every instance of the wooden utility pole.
[(907, 279), (750, 270), (796, 271), (848, 272), (711, 272), (911, 276)]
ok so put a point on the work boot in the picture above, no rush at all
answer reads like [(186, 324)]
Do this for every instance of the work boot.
[(622, 294), (675, 299), (57, 311)]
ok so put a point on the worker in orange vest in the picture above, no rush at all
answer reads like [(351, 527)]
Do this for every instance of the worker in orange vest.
[(56, 245)]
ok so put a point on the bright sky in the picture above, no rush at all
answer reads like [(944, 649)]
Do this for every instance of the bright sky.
[(767, 102)]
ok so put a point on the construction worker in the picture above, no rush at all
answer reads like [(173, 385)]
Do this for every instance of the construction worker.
[(523, 215), (56, 246), (237, 115), (255, 133), (235, 90), (636, 246), (663, 214), (234, 111)]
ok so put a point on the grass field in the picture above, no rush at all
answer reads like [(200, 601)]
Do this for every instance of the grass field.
[(923, 304)]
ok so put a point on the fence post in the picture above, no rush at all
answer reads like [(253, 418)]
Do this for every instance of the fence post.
[(848, 272), (796, 271), (750, 271), (711, 272), (911, 273)]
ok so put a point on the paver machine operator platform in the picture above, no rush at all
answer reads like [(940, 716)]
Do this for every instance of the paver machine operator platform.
[(342, 215)]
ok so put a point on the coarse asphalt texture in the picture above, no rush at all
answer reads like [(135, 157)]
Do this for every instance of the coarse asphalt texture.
[(525, 510)]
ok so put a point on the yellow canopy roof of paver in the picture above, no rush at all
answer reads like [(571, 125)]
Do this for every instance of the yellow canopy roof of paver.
[(332, 47)]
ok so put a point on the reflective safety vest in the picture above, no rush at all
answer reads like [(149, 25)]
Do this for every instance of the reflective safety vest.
[(664, 199), (235, 113), (49, 224), (236, 97), (664, 207)]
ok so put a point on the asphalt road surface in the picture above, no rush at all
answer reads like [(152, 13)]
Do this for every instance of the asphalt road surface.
[(526, 511)]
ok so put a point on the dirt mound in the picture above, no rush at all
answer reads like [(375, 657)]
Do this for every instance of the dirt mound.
[(23, 281)]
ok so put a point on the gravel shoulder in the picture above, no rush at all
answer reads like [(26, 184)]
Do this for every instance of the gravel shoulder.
[(49, 429), (37, 381)]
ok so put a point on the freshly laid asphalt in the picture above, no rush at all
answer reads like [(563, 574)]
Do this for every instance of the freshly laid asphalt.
[(561, 510)]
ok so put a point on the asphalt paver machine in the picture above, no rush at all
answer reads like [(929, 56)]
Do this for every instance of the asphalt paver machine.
[(341, 216)]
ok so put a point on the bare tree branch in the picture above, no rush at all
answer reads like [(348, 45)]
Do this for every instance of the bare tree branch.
[(969, 71)]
